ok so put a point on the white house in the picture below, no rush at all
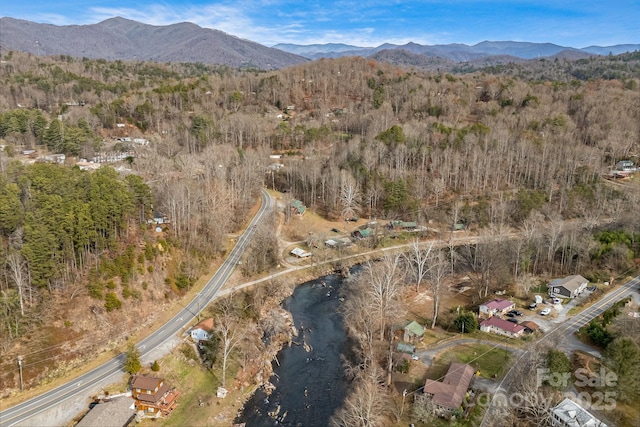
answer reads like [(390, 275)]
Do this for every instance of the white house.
[(202, 331), (570, 414)]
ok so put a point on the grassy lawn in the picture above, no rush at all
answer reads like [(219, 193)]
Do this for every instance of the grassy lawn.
[(488, 361), (197, 404)]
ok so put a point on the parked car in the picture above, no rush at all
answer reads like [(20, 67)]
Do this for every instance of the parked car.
[(335, 230), (545, 311), (512, 320), (557, 301), (591, 288), (516, 312), (510, 314), (533, 306)]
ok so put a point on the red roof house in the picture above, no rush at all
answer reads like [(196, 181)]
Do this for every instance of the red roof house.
[(496, 307), (500, 326)]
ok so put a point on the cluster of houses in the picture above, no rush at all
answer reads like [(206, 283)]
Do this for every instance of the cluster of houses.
[(495, 317), (152, 396), (448, 394), (149, 397)]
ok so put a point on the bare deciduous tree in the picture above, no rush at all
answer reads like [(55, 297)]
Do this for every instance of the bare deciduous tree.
[(384, 280), (365, 406), (230, 329), (349, 195), (417, 258), (17, 271), (438, 268)]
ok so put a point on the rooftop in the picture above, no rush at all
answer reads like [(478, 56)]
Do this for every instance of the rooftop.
[(503, 324), (415, 328), (451, 391), (498, 304), (205, 325), (574, 415), (570, 282), (145, 382), (116, 412)]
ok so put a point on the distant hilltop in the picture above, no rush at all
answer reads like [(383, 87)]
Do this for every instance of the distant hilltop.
[(458, 52), (123, 39)]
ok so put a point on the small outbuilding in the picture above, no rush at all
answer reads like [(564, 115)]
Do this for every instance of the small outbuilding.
[(404, 347), (300, 253)]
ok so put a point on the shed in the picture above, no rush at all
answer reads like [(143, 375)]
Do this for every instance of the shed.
[(406, 348), (530, 326), (300, 253)]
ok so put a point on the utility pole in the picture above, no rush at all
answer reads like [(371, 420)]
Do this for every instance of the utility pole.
[(20, 366)]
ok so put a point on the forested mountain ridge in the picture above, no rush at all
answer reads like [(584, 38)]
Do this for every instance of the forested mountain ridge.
[(456, 51), (356, 135), (124, 39)]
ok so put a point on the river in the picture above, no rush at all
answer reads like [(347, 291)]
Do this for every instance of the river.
[(308, 375)]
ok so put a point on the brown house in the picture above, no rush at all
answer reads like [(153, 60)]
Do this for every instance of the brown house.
[(152, 395), (448, 395)]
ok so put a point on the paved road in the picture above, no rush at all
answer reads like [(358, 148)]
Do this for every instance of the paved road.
[(82, 384), (492, 416)]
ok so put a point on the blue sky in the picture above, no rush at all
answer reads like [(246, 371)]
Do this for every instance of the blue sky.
[(365, 22)]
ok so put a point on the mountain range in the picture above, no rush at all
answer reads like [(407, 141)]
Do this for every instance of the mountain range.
[(458, 52), (124, 39)]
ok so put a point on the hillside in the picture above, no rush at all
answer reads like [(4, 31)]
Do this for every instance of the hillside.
[(486, 151), (123, 39)]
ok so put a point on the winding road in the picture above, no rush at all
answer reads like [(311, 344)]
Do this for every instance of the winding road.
[(81, 386)]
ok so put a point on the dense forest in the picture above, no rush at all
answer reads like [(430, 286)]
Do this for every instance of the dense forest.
[(490, 149)]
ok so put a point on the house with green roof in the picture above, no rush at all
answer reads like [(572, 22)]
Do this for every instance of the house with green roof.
[(402, 225), (413, 331), (363, 233), (297, 207)]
